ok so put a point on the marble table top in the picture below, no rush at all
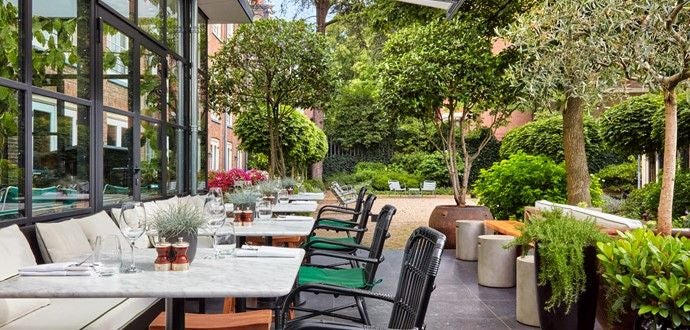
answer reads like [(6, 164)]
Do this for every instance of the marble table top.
[(307, 197), (210, 278), (263, 228), (294, 207)]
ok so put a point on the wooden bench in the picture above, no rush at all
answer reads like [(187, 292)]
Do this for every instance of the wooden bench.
[(505, 227)]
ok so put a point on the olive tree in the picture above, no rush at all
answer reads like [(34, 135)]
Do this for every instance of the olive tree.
[(445, 73), (269, 64)]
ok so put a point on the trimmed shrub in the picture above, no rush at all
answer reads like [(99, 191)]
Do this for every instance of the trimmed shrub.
[(619, 179), (627, 126), (507, 187), (644, 202)]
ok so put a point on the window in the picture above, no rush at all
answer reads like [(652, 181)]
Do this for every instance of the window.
[(215, 116), (228, 155), (10, 30), (215, 29), (240, 158), (214, 160), (228, 120), (11, 156), (229, 30)]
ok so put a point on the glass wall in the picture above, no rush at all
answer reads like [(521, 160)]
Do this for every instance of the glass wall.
[(11, 155), (202, 103)]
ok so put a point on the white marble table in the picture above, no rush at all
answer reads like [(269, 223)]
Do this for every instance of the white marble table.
[(307, 196), (267, 229), (294, 207), (209, 278)]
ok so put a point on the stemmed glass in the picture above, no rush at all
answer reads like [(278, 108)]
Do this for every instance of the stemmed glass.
[(132, 225), (216, 193), (214, 213)]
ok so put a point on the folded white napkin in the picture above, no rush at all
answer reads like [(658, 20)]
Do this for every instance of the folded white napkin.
[(296, 218), (57, 269), (266, 252), (304, 202)]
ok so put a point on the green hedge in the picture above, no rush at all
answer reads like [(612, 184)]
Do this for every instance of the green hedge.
[(619, 179), (645, 201)]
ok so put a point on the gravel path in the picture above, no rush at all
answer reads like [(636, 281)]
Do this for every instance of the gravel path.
[(412, 212)]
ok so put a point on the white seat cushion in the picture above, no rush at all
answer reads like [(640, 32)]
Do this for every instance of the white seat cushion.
[(167, 203), (100, 224), (16, 253), (122, 314), (194, 201), (66, 314), (62, 241)]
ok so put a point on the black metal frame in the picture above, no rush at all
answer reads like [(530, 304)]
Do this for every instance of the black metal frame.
[(418, 273)]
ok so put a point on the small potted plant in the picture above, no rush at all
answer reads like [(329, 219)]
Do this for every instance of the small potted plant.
[(179, 220), (289, 184), (649, 274), (268, 189), (244, 203), (565, 259)]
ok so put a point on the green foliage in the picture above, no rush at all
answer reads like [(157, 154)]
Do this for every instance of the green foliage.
[(544, 136), (619, 179), (644, 202), (369, 166), (242, 197), (507, 187), (413, 135), (488, 156), (178, 219), (433, 167), (258, 161), (346, 161), (561, 239), (650, 274), (409, 161), (628, 125), (313, 186)]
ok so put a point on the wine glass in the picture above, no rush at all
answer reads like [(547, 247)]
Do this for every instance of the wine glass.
[(132, 225), (216, 193), (214, 214)]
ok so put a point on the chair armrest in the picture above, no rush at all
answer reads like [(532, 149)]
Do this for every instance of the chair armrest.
[(337, 229), (345, 256), (343, 211), (338, 243)]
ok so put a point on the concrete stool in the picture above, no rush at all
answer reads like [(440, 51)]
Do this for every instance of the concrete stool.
[(526, 310), (496, 267), (466, 238)]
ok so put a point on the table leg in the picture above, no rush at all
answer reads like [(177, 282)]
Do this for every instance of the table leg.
[(174, 313), (239, 241), (240, 305), (268, 240)]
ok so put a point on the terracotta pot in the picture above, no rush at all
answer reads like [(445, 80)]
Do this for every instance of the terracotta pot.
[(583, 313), (443, 219)]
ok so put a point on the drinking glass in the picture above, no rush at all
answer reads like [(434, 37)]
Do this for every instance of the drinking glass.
[(283, 196), (214, 214), (225, 239), (132, 225), (108, 254), (264, 210), (216, 193)]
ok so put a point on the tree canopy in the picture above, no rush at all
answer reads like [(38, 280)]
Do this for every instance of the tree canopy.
[(267, 65)]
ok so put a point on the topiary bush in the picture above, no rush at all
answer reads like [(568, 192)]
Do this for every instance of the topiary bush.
[(619, 179), (627, 126), (508, 186), (643, 203)]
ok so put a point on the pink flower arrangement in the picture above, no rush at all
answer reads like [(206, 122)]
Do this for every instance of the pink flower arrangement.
[(257, 176), (225, 180)]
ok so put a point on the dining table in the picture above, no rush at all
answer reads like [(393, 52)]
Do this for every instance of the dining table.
[(240, 277), (295, 207), (307, 196)]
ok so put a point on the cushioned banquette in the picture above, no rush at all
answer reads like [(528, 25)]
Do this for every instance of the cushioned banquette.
[(60, 241)]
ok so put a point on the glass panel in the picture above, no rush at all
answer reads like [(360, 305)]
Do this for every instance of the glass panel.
[(150, 160), (118, 155), (61, 156), (174, 26), (202, 47), (175, 146), (124, 7), (11, 155), (202, 143), (150, 18), (9, 39), (117, 59), (60, 46), (150, 101), (175, 101)]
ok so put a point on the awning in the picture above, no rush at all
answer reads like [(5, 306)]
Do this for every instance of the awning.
[(227, 11)]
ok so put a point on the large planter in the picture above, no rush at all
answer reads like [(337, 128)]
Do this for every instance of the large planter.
[(443, 219), (583, 314)]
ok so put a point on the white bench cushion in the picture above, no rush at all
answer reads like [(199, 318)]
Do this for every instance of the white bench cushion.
[(100, 224), (62, 241), (120, 315), (602, 219)]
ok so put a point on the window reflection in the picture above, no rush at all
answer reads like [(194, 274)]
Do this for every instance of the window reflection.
[(11, 156), (175, 142), (150, 160), (117, 158), (60, 174), (9, 39), (151, 102), (123, 7), (175, 77), (117, 57), (60, 46), (174, 38), (150, 17)]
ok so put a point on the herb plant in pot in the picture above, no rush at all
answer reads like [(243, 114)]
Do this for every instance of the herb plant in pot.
[(648, 273), (565, 262), (180, 220), (289, 184), (244, 203)]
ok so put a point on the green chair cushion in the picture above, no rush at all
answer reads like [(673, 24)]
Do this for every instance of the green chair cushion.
[(323, 245), (354, 278), (331, 223)]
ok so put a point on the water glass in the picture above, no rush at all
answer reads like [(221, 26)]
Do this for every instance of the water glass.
[(108, 254), (225, 240), (264, 209), (283, 196)]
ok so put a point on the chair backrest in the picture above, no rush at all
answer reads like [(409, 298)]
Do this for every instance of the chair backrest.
[(394, 185), (364, 215), (359, 202), (417, 275), (378, 240), (429, 185)]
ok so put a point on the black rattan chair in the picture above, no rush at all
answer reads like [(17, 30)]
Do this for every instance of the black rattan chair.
[(417, 276), (326, 213)]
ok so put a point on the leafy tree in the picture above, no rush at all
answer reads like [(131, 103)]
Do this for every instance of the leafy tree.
[(628, 125), (562, 61), (302, 142), (268, 65), (445, 71)]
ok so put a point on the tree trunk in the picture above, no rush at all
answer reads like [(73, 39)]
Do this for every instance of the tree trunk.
[(665, 211), (465, 179), (577, 173), (322, 7)]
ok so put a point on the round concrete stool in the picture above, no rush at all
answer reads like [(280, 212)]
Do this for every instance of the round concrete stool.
[(526, 310), (496, 267), (466, 238)]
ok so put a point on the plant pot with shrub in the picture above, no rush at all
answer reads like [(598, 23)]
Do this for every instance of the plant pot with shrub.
[(648, 273), (244, 204), (565, 260), (179, 220)]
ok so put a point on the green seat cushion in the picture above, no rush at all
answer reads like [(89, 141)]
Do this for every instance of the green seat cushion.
[(338, 224), (322, 244), (354, 278)]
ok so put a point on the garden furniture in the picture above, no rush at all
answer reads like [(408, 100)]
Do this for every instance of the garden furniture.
[(504, 227), (526, 309), (360, 278), (354, 212), (295, 207), (307, 196), (429, 186), (418, 272), (467, 237), (345, 196), (396, 186), (496, 264)]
